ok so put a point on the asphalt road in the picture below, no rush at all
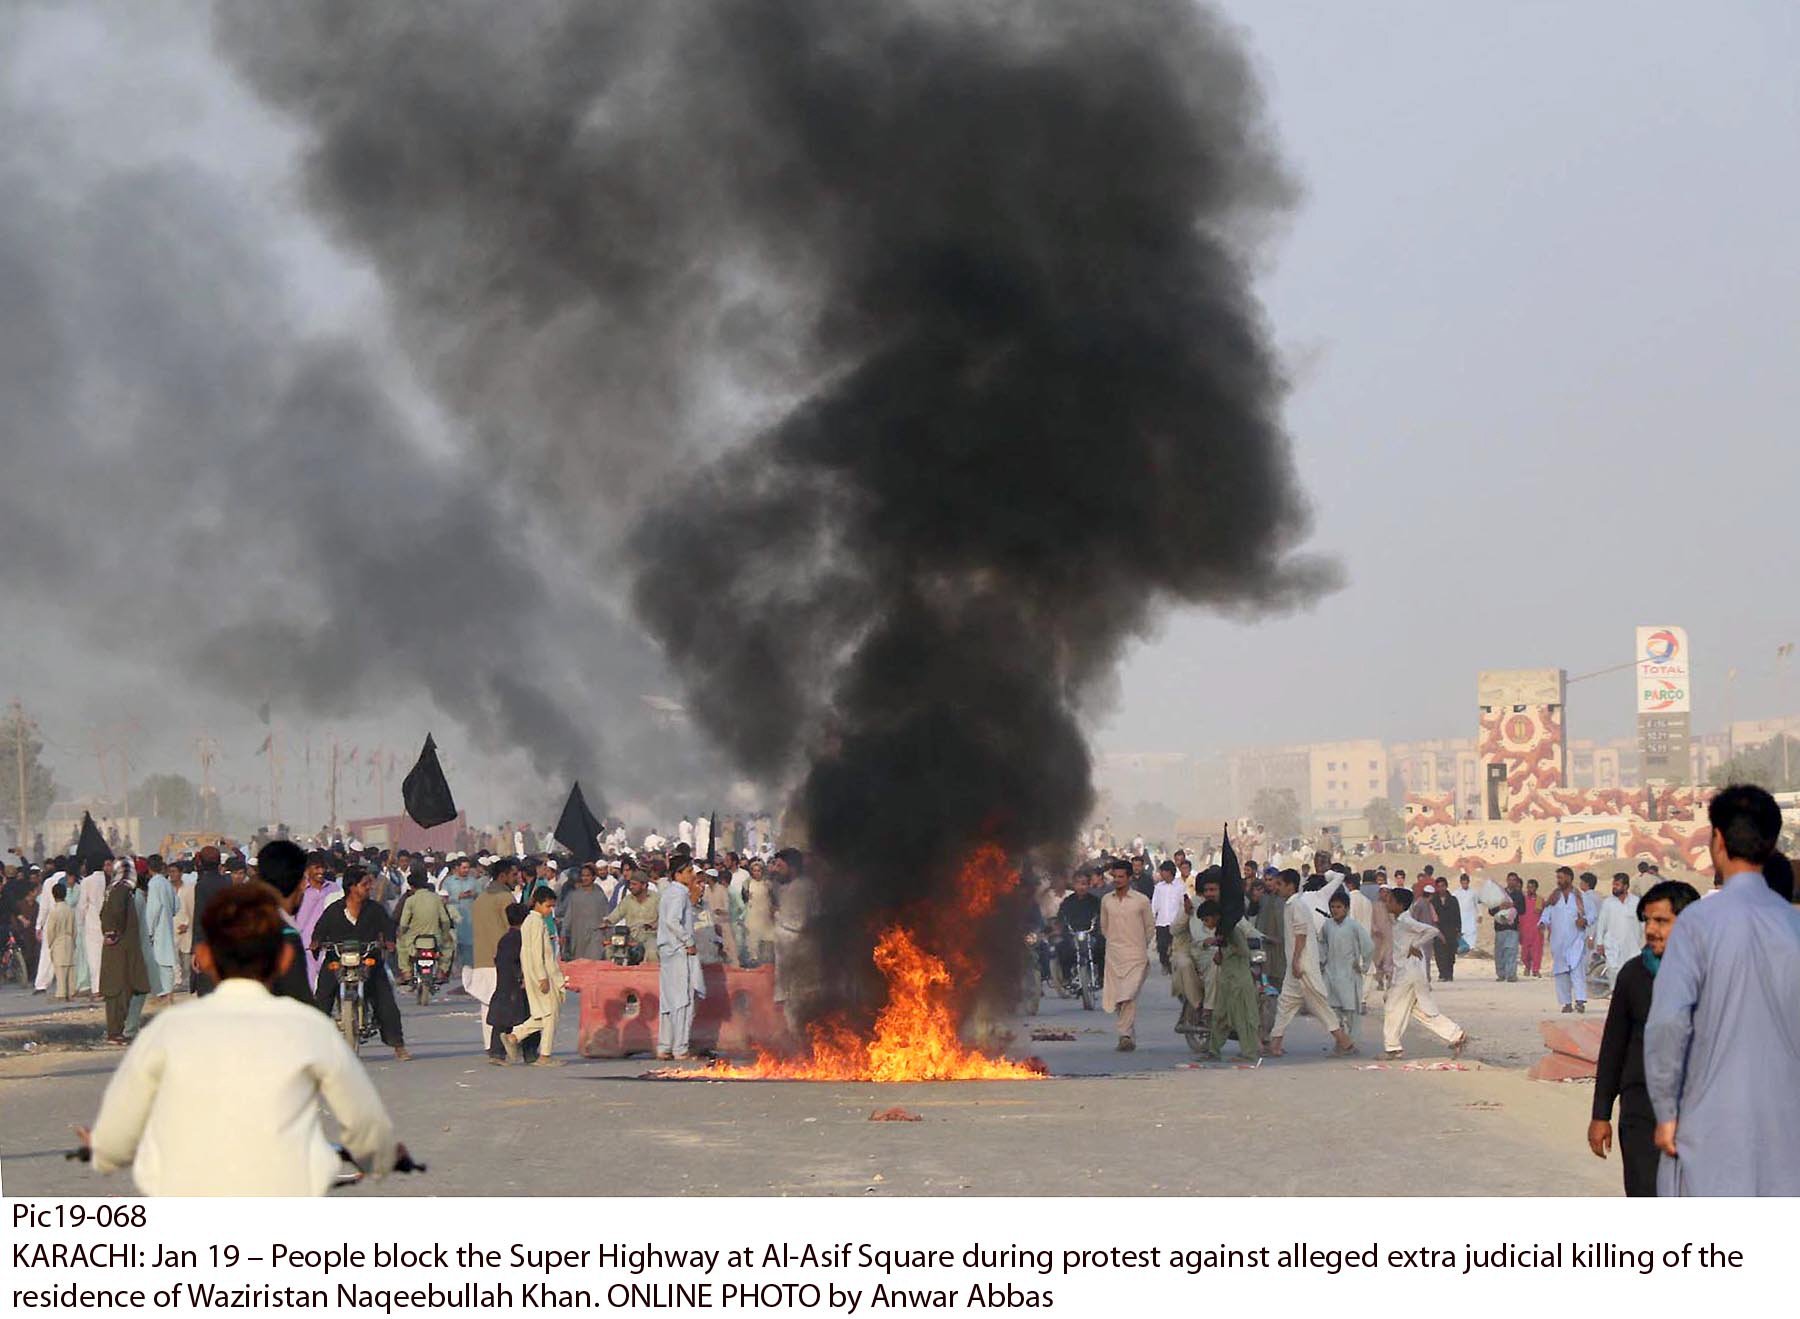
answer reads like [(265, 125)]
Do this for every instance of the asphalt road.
[(1105, 1123)]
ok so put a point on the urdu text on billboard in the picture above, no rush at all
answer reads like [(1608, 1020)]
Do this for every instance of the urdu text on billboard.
[(1662, 671)]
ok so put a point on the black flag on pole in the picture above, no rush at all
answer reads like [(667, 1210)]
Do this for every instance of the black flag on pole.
[(1231, 888), (91, 850), (578, 830), (712, 840), (426, 792)]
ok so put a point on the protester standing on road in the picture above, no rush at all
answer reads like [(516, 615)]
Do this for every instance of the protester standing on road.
[(1531, 932), (1566, 920), (1166, 907), (487, 917), (1618, 931), (124, 980), (679, 979), (1722, 1042), (1345, 952), (584, 922), (184, 923), (159, 935), (58, 947), (209, 882), (1506, 931), (1619, 1074), (1447, 913), (461, 887), (87, 916)]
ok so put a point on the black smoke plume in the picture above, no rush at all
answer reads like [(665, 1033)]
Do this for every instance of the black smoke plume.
[(973, 283)]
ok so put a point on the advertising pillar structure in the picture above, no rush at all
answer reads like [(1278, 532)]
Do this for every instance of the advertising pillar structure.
[(1664, 704), (1521, 743)]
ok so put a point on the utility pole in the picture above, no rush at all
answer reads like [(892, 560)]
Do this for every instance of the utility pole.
[(1784, 655), (331, 800), (207, 748), (19, 729)]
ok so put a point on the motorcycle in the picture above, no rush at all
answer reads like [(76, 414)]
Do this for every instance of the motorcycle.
[(353, 964), (1087, 983), (13, 967), (621, 948), (426, 978)]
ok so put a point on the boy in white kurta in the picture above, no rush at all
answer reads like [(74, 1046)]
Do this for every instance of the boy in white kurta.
[(1409, 995), (1304, 983), (544, 979), (1346, 950)]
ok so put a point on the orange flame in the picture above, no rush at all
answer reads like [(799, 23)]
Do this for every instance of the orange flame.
[(915, 1034)]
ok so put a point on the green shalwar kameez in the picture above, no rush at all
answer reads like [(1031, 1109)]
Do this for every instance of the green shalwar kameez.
[(1236, 1008)]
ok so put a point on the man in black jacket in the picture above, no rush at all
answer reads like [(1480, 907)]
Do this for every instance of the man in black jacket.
[(1079, 911), (282, 865), (1620, 1072), (358, 918), (1447, 916), (209, 882)]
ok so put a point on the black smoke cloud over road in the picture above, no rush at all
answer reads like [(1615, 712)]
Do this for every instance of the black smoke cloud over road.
[(198, 483), (991, 262), (234, 500)]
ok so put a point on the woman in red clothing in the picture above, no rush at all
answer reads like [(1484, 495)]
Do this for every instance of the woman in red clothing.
[(1531, 934)]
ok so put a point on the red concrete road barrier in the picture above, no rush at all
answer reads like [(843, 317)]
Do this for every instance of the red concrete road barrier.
[(619, 1006), (1574, 1050)]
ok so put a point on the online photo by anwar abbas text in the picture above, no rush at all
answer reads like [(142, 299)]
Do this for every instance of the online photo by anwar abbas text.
[(188, 1257)]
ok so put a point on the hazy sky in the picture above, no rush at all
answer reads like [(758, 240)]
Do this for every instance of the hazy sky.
[(1542, 298), (1541, 302)]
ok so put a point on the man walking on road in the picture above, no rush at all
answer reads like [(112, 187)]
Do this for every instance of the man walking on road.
[(1619, 1074), (1304, 983), (1127, 926)]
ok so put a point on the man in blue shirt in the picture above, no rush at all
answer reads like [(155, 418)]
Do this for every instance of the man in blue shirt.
[(1722, 1042)]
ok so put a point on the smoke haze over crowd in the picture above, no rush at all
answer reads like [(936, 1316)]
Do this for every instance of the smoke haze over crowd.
[(513, 282)]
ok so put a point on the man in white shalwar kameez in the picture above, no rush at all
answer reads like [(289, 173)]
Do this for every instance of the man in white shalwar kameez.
[(1465, 902), (1409, 995), (159, 935), (93, 897), (1304, 983), (679, 979), (46, 899), (1618, 934), (1567, 919)]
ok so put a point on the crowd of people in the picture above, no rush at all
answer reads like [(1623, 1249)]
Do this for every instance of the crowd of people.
[(1699, 1022)]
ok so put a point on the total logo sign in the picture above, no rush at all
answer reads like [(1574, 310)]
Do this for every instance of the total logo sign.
[(1662, 670)]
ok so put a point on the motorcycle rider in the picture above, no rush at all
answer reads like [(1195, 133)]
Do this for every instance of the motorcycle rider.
[(423, 912), (358, 917), (1079, 911)]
